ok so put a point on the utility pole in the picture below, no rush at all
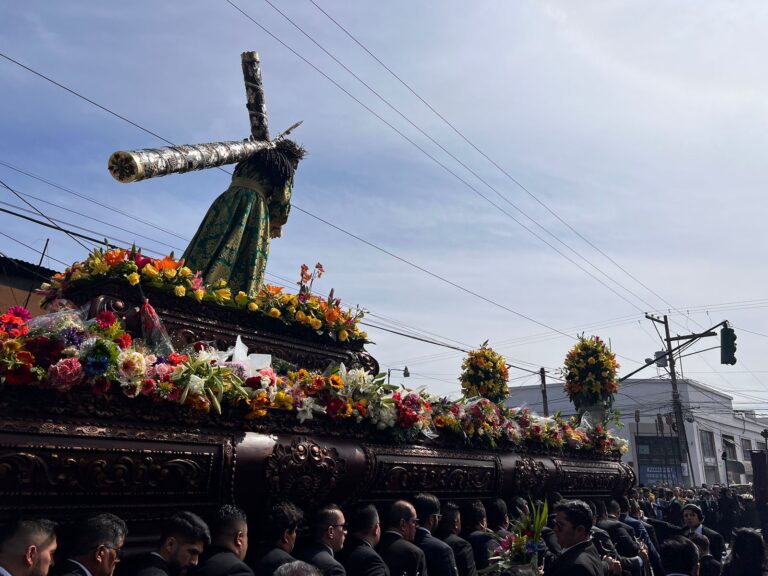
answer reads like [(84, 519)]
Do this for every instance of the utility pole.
[(544, 391)]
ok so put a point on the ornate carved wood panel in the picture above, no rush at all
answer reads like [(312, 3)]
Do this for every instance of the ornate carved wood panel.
[(67, 468)]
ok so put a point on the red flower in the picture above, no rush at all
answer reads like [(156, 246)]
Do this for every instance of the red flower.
[(407, 418), (105, 319), (361, 409), (20, 312), (21, 374), (148, 387), (140, 260), (101, 385), (334, 407), (124, 340), (45, 350), (253, 382), (175, 358)]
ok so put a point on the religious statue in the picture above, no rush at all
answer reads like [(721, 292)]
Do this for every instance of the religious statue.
[(232, 242)]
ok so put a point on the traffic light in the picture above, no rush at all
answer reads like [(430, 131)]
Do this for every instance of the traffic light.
[(727, 346)]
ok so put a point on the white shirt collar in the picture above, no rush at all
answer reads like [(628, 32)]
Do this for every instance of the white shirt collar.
[(87, 572), (4, 572)]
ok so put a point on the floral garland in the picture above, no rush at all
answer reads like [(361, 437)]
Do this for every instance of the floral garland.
[(65, 351), (485, 374), (322, 315), (590, 373)]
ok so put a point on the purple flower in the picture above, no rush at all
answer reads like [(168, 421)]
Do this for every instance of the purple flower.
[(21, 312), (72, 336)]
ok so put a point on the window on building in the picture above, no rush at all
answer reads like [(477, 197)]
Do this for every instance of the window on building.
[(729, 447), (709, 456), (746, 452)]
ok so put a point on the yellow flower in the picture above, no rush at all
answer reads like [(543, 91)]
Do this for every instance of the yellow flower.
[(180, 291), (315, 323), (241, 298), (336, 382), (252, 306), (98, 266), (283, 400), (364, 335), (300, 316), (223, 294), (12, 346), (169, 273), (185, 272), (150, 271), (343, 335), (274, 312), (199, 293), (133, 278), (76, 275)]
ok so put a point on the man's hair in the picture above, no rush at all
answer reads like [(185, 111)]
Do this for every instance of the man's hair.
[(186, 526), (363, 519), (283, 516), (473, 514), (426, 504), (553, 498), (102, 529), (324, 518), (296, 568), (577, 512), (613, 507), (695, 509), (450, 512), (21, 530), (623, 504), (518, 505), (600, 509), (496, 510), (678, 554), (398, 510), (702, 543), (228, 521)]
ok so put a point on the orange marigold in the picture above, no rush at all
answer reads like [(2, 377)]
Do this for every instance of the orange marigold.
[(115, 257)]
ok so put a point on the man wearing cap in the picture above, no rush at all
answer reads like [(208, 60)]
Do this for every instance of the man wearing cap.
[(692, 521)]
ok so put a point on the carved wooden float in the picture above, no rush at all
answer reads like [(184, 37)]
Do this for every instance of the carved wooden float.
[(66, 456)]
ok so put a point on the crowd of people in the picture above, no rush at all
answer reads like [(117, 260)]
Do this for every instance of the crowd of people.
[(649, 533)]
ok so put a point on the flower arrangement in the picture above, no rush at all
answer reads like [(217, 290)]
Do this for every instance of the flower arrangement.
[(322, 315), (521, 545), (590, 374), (65, 351), (485, 374)]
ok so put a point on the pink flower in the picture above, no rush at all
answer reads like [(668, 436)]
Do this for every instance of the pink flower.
[(196, 282), (65, 374), (268, 377), (21, 312), (140, 260)]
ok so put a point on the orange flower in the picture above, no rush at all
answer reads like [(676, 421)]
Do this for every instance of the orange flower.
[(166, 263), (274, 290), (331, 315), (25, 357), (114, 257)]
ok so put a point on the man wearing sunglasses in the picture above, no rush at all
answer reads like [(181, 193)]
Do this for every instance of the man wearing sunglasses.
[(95, 548), (440, 558), (396, 547), (329, 529), (579, 557)]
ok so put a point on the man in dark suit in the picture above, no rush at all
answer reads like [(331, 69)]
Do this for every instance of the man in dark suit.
[(282, 523), (448, 531), (498, 516), (27, 546), (692, 520), (182, 541), (329, 528), (95, 547), (708, 566), (679, 556), (358, 555), (625, 543), (229, 544), (573, 522), (402, 557), (440, 559), (478, 535)]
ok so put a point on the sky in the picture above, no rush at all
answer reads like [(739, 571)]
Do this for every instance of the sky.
[(517, 172)]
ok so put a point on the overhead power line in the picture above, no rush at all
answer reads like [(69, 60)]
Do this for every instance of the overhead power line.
[(295, 207)]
